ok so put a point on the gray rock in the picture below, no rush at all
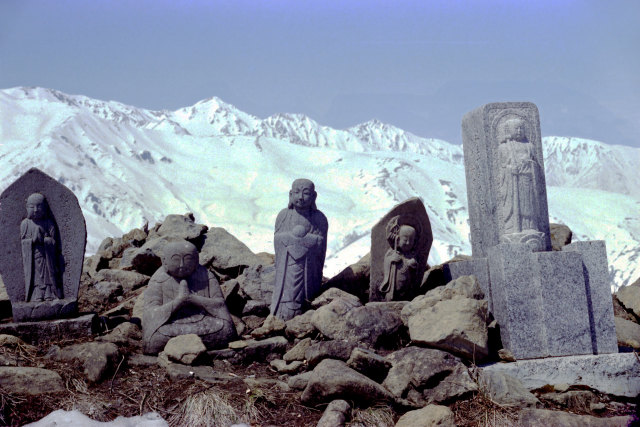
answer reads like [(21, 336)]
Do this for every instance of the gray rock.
[(336, 415), (333, 379), (286, 368), (33, 381), (185, 349), (97, 358), (354, 279), (397, 268), (300, 326), (129, 280), (575, 400), (298, 351), (335, 349), (546, 418), (208, 374), (629, 296), (181, 226), (506, 390), (617, 373), (126, 333), (260, 349), (300, 381), (54, 330), (429, 416), (369, 363), (376, 324), (112, 247), (257, 308), (628, 333), (141, 360), (423, 376), (333, 294), (62, 238), (143, 260), (224, 252), (256, 282), (329, 319), (560, 236), (272, 326)]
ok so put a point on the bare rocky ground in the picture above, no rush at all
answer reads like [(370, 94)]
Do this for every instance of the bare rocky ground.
[(345, 362)]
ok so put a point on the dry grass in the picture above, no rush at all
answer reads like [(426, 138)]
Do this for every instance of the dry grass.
[(375, 416), (481, 411), (212, 408)]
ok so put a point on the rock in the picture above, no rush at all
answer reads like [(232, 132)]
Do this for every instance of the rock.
[(333, 379), (575, 400), (75, 418), (546, 418), (429, 416), (253, 321), (93, 264), (260, 349), (129, 280), (333, 294), (126, 333), (628, 333), (422, 376), (300, 381), (286, 368), (256, 308), (272, 326), (109, 290), (177, 372), (506, 355), (143, 260), (54, 330), (97, 358), (560, 236), (112, 247), (377, 324), (224, 252), (329, 319), (138, 307), (185, 349), (11, 341), (256, 282), (300, 326), (141, 360), (298, 351), (336, 415), (266, 258), (25, 380), (369, 363), (620, 311), (629, 296), (440, 275), (354, 279), (506, 390), (266, 383), (181, 226), (335, 349)]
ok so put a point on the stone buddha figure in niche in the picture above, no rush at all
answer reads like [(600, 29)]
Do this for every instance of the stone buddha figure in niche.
[(400, 263), (182, 298), (38, 233), (517, 185), (300, 241)]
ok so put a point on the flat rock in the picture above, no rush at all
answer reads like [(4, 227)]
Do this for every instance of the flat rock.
[(334, 349), (260, 349), (616, 373), (575, 400), (629, 297), (97, 358), (272, 326), (286, 368), (32, 381), (300, 381), (185, 349), (128, 279), (333, 379), (126, 333), (329, 319), (429, 416), (369, 363), (75, 418), (298, 351), (546, 418), (300, 326), (627, 333), (336, 415), (223, 251), (333, 294), (52, 330), (506, 390)]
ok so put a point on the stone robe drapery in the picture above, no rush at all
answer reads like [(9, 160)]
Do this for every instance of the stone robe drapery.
[(39, 259), (399, 281), (299, 261)]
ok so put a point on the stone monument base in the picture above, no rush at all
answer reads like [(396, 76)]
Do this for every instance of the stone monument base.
[(617, 373), (44, 310), (53, 330)]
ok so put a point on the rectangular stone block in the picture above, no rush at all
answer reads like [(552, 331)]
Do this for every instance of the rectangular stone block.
[(478, 267), (53, 330), (598, 290)]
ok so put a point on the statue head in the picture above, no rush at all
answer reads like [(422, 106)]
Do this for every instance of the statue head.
[(406, 238), (180, 259), (36, 206), (302, 195), (513, 129)]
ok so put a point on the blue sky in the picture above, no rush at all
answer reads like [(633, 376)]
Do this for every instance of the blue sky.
[(420, 65)]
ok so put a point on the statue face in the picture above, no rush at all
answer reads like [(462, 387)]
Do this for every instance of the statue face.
[(302, 194), (181, 259), (406, 238), (517, 131), (36, 206)]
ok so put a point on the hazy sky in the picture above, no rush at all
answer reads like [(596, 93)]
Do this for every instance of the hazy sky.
[(419, 65)]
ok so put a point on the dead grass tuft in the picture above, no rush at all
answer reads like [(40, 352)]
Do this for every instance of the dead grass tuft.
[(375, 416), (481, 411)]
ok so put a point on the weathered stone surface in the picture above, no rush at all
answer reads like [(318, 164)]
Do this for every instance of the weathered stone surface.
[(628, 333), (333, 294), (223, 251), (429, 416), (575, 400), (272, 326), (286, 368), (334, 349), (177, 371), (300, 326), (260, 349), (256, 282), (336, 415), (546, 418), (422, 376), (126, 333), (300, 381), (63, 236), (369, 363), (615, 373), (129, 280), (620, 311), (629, 296), (96, 358), (377, 324), (560, 236), (298, 351), (141, 360), (504, 169), (354, 279), (32, 381), (181, 226), (329, 319), (506, 390), (53, 330), (398, 269), (185, 349), (257, 308), (143, 260), (333, 379)]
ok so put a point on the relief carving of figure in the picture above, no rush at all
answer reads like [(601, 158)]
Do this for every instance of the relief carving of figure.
[(40, 261), (300, 241), (400, 263), (182, 298)]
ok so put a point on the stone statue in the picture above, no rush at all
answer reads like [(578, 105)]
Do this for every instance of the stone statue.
[(517, 180), (400, 263), (40, 248), (182, 298), (300, 241)]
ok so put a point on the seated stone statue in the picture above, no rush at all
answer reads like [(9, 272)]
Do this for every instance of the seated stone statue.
[(400, 267), (182, 298)]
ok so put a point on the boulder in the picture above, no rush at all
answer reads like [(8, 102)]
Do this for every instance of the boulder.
[(429, 416), (27, 380), (128, 279), (225, 253), (97, 358), (334, 349), (629, 296), (298, 351), (546, 418), (144, 260), (506, 390), (439, 275), (560, 236), (272, 326), (628, 333), (336, 415), (377, 324), (333, 294), (181, 226), (256, 282), (369, 363), (185, 349), (300, 326), (300, 381), (329, 319), (76, 418), (286, 368), (354, 279), (333, 379), (126, 333), (260, 349)]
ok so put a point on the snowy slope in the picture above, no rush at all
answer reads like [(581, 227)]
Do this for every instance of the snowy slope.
[(231, 169)]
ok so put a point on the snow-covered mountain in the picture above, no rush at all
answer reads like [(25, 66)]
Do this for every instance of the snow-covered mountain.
[(129, 165)]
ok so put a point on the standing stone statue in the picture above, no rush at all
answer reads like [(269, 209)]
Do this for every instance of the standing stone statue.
[(400, 244), (300, 241), (38, 233), (183, 298), (43, 248)]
